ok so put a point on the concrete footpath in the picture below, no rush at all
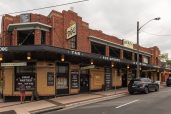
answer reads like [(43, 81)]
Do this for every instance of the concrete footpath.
[(57, 103)]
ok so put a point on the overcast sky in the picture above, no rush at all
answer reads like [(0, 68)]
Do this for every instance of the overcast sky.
[(113, 17)]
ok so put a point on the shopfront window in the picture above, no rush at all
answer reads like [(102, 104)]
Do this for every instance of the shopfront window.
[(62, 79), (62, 69)]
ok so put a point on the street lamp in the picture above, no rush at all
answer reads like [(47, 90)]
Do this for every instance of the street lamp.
[(138, 29)]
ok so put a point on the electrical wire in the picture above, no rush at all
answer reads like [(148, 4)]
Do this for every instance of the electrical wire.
[(156, 34), (24, 11)]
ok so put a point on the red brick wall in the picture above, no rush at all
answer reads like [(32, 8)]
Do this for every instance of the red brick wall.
[(37, 36), (57, 31), (57, 34), (6, 37), (14, 38)]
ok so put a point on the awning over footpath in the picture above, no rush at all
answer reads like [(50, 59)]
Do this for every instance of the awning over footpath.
[(57, 50)]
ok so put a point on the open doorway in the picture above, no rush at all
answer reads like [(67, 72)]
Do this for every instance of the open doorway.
[(84, 81)]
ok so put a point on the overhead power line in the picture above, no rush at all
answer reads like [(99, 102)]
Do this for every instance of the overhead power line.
[(156, 34), (24, 11)]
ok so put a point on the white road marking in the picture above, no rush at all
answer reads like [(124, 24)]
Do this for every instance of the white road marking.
[(126, 104)]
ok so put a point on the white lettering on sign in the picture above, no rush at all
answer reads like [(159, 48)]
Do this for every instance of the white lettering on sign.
[(128, 44), (105, 58), (75, 53), (71, 31), (3, 48)]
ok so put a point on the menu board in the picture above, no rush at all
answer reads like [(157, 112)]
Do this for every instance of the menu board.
[(74, 79), (50, 79), (108, 78), (27, 79)]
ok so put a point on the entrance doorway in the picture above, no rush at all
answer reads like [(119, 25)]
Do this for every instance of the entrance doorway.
[(62, 79), (84, 81), (124, 80)]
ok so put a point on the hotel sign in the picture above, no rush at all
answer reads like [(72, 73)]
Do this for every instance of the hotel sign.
[(71, 31), (128, 44)]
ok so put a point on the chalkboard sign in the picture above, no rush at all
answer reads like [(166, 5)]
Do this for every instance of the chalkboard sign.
[(50, 79), (27, 79), (74, 79), (108, 78)]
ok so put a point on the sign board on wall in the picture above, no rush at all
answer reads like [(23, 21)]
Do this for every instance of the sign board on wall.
[(14, 64), (71, 31), (108, 78), (128, 44), (50, 79), (27, 79), (74, 79), (87, 67)]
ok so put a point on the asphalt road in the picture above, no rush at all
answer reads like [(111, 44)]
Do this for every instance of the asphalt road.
[(152, 103)]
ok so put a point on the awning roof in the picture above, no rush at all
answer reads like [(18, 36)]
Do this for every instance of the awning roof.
[(52, 49), (29, 25)]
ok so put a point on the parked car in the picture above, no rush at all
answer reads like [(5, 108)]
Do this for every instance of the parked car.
[(168, 82), (144, 85)]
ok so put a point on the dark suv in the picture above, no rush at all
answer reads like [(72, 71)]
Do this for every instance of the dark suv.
[(144, 85), (168, 82)]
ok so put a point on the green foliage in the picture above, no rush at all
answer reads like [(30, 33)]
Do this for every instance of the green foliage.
[(168, 62)]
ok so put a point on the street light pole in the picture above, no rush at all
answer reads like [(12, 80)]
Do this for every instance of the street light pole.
[(138, 61), (138, 47)]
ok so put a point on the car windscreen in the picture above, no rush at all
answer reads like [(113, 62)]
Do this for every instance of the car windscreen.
[(135, 81)]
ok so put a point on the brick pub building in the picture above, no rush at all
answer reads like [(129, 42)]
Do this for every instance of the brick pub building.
[(59, 54)]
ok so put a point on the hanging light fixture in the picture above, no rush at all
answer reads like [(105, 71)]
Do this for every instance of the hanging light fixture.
[(127, 66), (1, 57), (92, 62), (62, 58), (28, 56), (112, 64)]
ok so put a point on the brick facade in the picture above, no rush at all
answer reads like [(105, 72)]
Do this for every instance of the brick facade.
[(57, 35)]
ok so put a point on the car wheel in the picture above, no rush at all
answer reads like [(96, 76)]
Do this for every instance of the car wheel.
[(157, 88), (146, 91)]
